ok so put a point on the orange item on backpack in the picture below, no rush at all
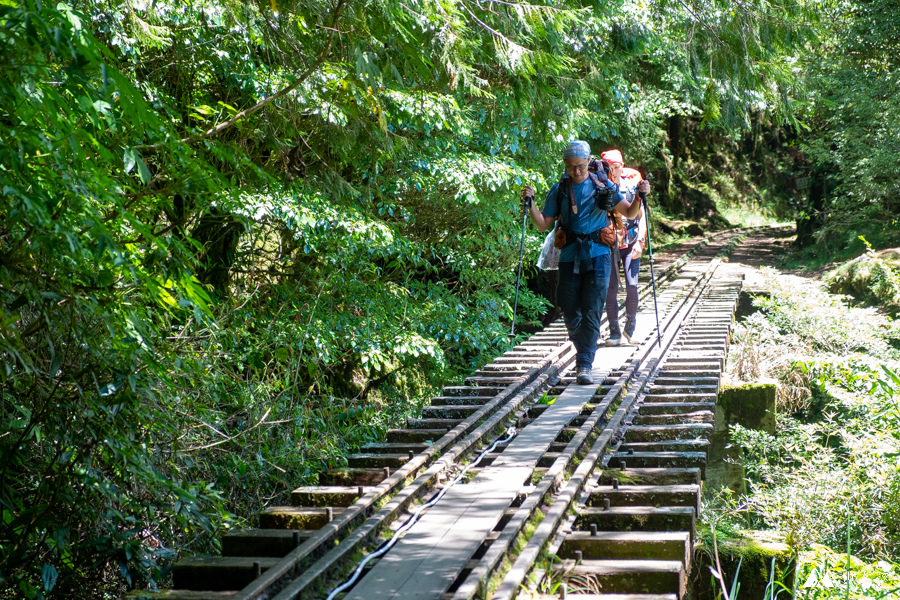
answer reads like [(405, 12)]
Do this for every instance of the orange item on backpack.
[(630, 177)]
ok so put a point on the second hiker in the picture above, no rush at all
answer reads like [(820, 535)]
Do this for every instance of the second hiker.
[(630, 244), (581, 201)]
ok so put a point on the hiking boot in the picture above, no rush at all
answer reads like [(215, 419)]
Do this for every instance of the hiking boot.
[(630, 324), (615, 336), (584, 376)]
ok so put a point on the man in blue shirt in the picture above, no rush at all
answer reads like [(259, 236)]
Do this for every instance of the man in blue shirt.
[(584, 263)]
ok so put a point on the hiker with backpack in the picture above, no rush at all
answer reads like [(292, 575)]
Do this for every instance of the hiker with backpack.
[(580, 202), (631, 238)]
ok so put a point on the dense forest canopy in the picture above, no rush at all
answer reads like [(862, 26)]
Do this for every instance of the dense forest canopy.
[(239, 236)]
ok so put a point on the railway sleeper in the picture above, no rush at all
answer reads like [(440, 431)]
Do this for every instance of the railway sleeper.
[(696, 366), (297, 517), (704, 347), (498, 373), (461, 400), (504, 364), (354, 476), (625, 576), (703, 336), (219, 573), (692, 445), (629, 545), (646, 495), (449, 411), (660, 459), (691, 367), (638, 518), (413, 436), (472, 390), (521, 358), (328, 495), (369, 461), (679, 397), (386, 448), (491, 381), (650, 476), (433, 424), (699, 354), (675, 408), (686, 388), (692, 379), (679, 430), (700, 416), (272, 543)]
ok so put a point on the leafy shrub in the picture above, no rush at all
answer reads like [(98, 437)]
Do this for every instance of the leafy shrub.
[(872, 277), (828, 575), (829, 470)]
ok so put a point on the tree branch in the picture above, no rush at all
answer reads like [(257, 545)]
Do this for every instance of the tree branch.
[(266, 101)]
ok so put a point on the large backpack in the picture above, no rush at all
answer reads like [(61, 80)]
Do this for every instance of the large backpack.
[(630, 179)]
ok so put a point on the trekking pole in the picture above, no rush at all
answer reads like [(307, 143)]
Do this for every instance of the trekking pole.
[(512, 332), (643, 196)]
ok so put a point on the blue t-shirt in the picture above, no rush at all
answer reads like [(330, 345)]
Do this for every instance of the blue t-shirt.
[(589, 218)]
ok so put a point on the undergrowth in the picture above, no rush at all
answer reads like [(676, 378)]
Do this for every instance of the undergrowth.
[(870, 278), (829, 478)]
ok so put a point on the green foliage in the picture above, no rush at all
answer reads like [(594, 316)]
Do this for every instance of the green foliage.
[(852, 112), (825, 575), (821, 322), (869, 278), (91, 285), (829, 475), (241, 239)]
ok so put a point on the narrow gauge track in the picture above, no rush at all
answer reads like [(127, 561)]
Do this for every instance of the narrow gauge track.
[(307, 549)]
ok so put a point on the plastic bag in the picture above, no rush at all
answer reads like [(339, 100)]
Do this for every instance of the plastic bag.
[(549, 258)]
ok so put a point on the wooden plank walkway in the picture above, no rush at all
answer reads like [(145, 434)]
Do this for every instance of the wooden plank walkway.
[(429, 558)]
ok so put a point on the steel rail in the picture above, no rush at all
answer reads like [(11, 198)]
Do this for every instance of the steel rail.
[(559, 466), (477, 582), (363, 521), (562, 503), (309, 553)]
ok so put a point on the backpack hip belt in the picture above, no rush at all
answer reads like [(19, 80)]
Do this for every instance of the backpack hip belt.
[(604, 235)]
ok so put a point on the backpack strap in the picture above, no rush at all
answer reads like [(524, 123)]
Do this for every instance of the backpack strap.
[(596, 181), (559, 190)]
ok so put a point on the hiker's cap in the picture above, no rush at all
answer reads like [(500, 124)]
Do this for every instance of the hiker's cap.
[(613, 157), (577, 149)]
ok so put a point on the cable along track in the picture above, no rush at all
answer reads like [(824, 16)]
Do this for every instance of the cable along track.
[(484, 538)]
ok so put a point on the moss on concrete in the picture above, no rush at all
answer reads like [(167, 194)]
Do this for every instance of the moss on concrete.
[(756, 560), (725, 464), (869, 278), (751, 405)]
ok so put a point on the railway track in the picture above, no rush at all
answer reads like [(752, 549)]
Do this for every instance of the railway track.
[(606, 478)]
